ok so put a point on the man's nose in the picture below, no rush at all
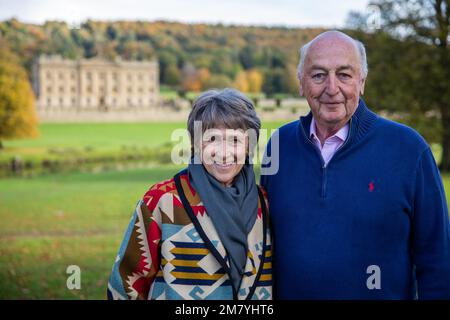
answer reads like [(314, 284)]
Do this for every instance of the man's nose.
[(332, 87)]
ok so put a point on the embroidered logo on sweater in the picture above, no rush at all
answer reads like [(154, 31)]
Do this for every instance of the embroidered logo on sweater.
[(371, 186)]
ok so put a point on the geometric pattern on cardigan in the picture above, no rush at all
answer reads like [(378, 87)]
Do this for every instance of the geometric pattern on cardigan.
[(163, 255)]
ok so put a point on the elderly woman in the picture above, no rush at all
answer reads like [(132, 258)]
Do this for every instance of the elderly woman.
[(204, 233)]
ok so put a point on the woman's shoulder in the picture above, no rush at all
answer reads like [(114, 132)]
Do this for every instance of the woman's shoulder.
[(167, 190), (158, 191)]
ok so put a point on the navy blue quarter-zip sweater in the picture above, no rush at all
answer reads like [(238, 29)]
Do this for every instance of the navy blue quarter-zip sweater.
[(372, 224)]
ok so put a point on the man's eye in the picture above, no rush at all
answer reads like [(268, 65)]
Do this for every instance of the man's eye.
[(318, 76), (344, 76)]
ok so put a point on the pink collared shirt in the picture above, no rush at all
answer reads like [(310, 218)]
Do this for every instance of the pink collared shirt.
[(332, 144)]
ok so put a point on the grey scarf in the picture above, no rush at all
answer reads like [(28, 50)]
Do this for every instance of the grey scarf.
[(233, 211)]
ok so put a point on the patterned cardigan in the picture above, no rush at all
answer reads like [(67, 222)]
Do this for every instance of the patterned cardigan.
[(171, 250)]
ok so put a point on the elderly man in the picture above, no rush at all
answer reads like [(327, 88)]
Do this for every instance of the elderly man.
[(358, 207)]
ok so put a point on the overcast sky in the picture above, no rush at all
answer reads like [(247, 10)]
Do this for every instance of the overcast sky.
[(326, 13)]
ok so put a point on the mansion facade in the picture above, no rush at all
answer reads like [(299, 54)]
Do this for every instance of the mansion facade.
[(94, 84)]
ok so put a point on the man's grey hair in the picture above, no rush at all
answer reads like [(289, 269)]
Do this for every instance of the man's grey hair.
[(361, 51), (227, 108)]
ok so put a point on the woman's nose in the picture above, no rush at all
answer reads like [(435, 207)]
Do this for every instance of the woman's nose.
[(223, 151)]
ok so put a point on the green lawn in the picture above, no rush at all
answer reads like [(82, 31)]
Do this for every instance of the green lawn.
[(64, 146), (98, 135), (108, 136), (52, 221), (88, 140)]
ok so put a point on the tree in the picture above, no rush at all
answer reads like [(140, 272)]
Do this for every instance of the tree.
[(274, 81), (60, 40), (399, 80), (427, 22), (166, 59), (171, 75), (17, 114), (219, 81), (241, 81), (249, 81), (291, 79), (247, 56), (203, 75), (190, 79), (255, 80)]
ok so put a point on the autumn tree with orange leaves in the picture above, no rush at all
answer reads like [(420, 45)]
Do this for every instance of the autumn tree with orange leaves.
[(17, 113)]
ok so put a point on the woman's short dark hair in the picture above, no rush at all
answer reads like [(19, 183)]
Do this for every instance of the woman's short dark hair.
[(227, 108)]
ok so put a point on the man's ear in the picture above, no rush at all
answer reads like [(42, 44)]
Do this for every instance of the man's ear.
[(363, 83), (300, 89)]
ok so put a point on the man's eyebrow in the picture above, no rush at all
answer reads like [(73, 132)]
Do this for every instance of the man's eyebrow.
[(346, 67), (317, 67)]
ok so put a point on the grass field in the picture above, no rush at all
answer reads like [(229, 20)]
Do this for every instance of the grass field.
[(106, 136), (62, 147), (52, 221), (65, 141)]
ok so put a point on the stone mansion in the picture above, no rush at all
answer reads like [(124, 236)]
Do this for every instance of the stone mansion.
[(94, 85)]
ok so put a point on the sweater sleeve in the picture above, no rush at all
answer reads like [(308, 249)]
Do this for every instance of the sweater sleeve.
[(431, 231), (138, 260)]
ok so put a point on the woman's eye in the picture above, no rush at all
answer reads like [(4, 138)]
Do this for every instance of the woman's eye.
[(236, 140)]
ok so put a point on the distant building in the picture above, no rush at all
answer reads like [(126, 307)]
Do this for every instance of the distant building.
[(94, 84)]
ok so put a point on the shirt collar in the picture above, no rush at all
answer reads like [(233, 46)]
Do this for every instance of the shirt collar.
[(342, 133)]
